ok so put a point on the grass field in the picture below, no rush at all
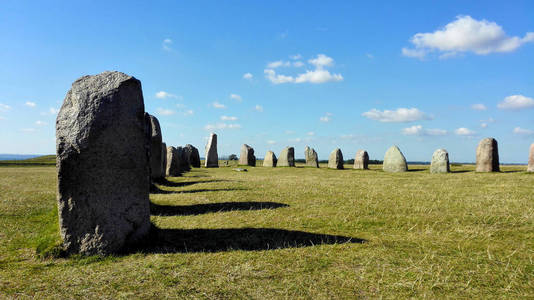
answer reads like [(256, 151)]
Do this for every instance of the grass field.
[(289, 233)]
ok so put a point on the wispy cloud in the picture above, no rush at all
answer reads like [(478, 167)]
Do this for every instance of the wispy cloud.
[(295, 57), (317, 75), (401, 115), (30, 104), (228, 118), (278, 64), (326, 118), (166, 44), (516, 102), (418, 130), (462, 131), (258, 108), (523, 131), (220, 126), (4, 107), (248, 76), (165, 95), (236, 97), (479, 106), (218, 105), (40, 123), (271, 142), (165, 112)]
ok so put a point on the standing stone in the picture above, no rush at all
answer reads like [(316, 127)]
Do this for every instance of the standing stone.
[(192, 156), (270, 160), (247, 156), (155, 148), (163, 160), (173, 162), (361, 160), (487, 156), (530, 167), (440, 162), (311, 157), (148, 138), (394, 161), (212, 158), (287, 157), (335, 161), (183, 160), (102, 165)]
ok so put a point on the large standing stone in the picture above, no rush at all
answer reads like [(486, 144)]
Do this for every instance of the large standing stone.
[(155, 148), (361, 160), (440, 162), (394, 161), (311, 157), (487, 156), (247, 156), (530, 167), (335, 160), (193, 156), (183, 159), (173, 162), (270, 159), (102, 165), (148, 138), (163, 160), (212, 158), (287, 157)]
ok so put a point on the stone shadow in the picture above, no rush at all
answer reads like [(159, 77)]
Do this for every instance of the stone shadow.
[(231, 239), (198, 209), (156, 190), (165, 182)]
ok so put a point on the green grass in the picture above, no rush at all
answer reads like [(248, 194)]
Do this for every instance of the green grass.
[(458, 235), (45, 160)]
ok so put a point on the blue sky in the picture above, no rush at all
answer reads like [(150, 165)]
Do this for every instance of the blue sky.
[(355, 75)]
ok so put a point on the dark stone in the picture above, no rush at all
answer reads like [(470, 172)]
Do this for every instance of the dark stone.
[(192, 155)]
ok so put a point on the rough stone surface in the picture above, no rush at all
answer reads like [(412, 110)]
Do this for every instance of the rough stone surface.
[(155, 148), (287, 157), (335, 160), (148, 137), (311, 157), (163, 160), (183, 160), (247, 157), (270, 159), (192, 155), (361, 160), (212, 158), (173, 162), (440, 162), (102, 165), (487, 156), (530, 167), (394, 161)]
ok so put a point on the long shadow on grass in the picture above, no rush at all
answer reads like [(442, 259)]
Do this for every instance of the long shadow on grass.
[(198, 209), (218, 240), (155, 190), (165, 182)]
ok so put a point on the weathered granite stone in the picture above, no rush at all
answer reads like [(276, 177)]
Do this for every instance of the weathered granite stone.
[(155, 148), (192, 155), (163, 160), (530, 167), (173, 162), (148, 138), (183, 160), (311, 157), (394, 161), (361, 160), (487, 156), (247, 157), (270, 159), (335, 160), (102, 165), (212, 158), (287, 157), (440, 162)]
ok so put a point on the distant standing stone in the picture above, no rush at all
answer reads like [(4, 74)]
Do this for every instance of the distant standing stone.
[(394, 161), (247, 157), (361, 160), (335, 160), (287, 157), (183, 160), (212, 158), (102, 165), (155, 148), (192, 155), (487, 156), (440, 162), (173, 162), (163, 160), (530, 167), (270, 159), (311, 157)]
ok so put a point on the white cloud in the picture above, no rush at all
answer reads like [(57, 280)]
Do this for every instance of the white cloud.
[(465, 34), (220, 126), (479, 106), (277, 78), (227, 118), (218, 105), (465, 132), (322, 61), (4, 107), (370, 56), (248, 76), (318, 75), (522, 131), (258, 108), (165, 95), (295, 57), (40, 123), (236, 97), (166, 45), (420, 131), (165, 112), (277, 64), (30, 104), (188, 112), (484, 125), (516, 102), (326, 118), (298, 64), (271, 142), (401, 115)]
